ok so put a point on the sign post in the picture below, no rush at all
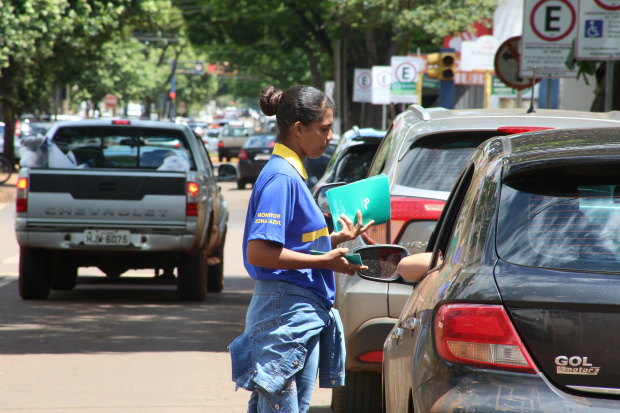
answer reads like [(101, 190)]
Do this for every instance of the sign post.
[(598, 37), (549, 28), (508, 62), (405, 72), (381, 81)]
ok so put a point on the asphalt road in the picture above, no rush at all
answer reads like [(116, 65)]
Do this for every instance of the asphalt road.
[(123, 347)]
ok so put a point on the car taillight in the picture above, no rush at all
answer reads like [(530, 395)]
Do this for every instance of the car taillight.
[(509, 130), (18, 128), (192, 199), (372, 357), (481, 336), (220, 144), (121, 122), (243, 155), (404, 210), (21, 195)]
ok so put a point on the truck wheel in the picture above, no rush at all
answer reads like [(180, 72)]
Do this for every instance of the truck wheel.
[(64, 273), (192, 276), (215, 278), (360, 394), (34, 274), (241, 184)]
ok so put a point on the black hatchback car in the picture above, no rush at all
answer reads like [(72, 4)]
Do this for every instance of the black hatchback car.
[(253, 156), (520, 309)]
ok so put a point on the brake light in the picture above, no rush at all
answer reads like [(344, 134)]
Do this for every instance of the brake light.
[(272, 144), (220, 144), (192, 199), (121, 122), (481, 336), (509, 130), (21, 195), (18, 128), (372, 357), (243, 155)]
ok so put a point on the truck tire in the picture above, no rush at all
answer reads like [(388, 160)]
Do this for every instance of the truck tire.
[(215, 278), (240, 184), (34, 273), (360, 394), (192, 276), (64, 274)]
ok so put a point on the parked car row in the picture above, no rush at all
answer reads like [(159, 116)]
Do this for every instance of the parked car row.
[(503, 267)]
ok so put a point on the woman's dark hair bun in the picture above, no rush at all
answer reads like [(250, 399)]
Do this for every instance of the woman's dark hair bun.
[(269, 100)]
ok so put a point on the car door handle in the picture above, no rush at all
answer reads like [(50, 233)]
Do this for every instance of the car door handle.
[(411, 323)]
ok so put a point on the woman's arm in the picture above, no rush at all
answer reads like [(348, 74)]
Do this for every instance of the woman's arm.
[(269, 254)]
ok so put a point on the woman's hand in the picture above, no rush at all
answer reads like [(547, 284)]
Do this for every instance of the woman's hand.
[(336, 262), (349, 231)]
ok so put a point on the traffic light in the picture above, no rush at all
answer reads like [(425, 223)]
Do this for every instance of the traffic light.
[(172, 95), (441, 65)]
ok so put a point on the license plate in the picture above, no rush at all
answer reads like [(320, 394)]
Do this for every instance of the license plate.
[(263, 157), (106, 237)]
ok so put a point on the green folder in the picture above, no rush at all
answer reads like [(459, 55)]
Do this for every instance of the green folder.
[(371, 196)]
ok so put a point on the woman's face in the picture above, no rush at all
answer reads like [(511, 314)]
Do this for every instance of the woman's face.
[(317, 135)]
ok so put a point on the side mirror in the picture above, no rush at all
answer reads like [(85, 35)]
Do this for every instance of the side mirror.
[(382, 260), (226, 172)]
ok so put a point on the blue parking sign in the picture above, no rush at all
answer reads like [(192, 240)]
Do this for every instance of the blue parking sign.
[(593, 28)]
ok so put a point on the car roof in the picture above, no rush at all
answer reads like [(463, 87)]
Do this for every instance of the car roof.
[(561, 147), (131, 123), (439, 120)]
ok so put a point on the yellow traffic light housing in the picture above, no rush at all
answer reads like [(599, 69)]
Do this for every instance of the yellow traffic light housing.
[(441, 65)]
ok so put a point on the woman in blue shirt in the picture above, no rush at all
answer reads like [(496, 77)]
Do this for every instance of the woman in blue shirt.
[(292, 331)]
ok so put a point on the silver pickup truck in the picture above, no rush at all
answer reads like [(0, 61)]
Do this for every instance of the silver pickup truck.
[(119, 195)]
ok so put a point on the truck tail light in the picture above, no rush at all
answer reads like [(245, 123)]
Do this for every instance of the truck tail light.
[(21, 195), (403, 210), (192, 199), (481, 336), (220, 144), (243, 155)]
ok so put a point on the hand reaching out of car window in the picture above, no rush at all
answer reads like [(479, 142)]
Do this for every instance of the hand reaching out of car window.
[(349, 231)]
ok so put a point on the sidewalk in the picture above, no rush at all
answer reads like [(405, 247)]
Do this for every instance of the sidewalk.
[(7, 190)]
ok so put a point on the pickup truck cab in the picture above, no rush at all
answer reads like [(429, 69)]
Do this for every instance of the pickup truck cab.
[(119, 195)]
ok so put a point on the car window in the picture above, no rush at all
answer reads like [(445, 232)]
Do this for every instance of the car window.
[(378, 163), (235, 132), (124, 147), (435, 163), (555, 226), (353, 165)]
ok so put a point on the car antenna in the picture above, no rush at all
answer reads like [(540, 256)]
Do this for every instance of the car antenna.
[(531, 109)]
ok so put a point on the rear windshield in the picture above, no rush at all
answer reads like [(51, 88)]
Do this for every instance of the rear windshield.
[(572, 228), (435, 164), (124, 147), (228, 132)]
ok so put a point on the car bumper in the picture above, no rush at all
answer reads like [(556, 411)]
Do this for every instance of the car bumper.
[(503, 392), (369, 337)]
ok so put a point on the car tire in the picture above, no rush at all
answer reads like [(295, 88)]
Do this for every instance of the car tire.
[(360, 394), (240, 184), (192, 276), (215, 278), (34, 274)]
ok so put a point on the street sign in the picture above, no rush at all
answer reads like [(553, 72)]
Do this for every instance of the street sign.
[(330, 85), (549, 28), (405, 70), (381, 81), (507, 62), (598, 32), (110, 100), (198, 68), (362, 85), (478, 54)]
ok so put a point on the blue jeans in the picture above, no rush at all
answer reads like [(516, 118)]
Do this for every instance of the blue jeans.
[(296, 396)]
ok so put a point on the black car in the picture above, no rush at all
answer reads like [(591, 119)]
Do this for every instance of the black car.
[(520, 309), (351, 157), (254, 154)]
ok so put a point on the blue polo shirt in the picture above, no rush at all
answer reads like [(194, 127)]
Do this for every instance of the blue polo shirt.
[(282, 210)]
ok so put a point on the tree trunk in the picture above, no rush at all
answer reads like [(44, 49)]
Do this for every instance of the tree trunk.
[(9, 133), (598, 105)]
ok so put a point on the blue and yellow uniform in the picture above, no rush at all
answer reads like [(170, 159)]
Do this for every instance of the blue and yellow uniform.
[(282, 210)]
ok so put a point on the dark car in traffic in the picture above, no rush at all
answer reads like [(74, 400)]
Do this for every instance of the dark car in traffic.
[(520, 309), (253, 156)]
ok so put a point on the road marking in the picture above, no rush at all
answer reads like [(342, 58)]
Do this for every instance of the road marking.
[(6, 281)]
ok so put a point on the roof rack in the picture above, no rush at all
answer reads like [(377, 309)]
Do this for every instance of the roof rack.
[(421, 112)]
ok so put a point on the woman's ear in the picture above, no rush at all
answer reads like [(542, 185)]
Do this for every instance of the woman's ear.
[(298, 128)]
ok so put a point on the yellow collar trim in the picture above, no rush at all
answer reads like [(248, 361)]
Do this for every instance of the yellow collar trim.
[(291, 157)]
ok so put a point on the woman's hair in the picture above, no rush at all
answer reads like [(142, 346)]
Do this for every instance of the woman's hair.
[(301, 103)]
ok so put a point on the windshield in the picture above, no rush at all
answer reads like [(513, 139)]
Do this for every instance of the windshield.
[(124, 147), (435, 164), (575, 228)]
